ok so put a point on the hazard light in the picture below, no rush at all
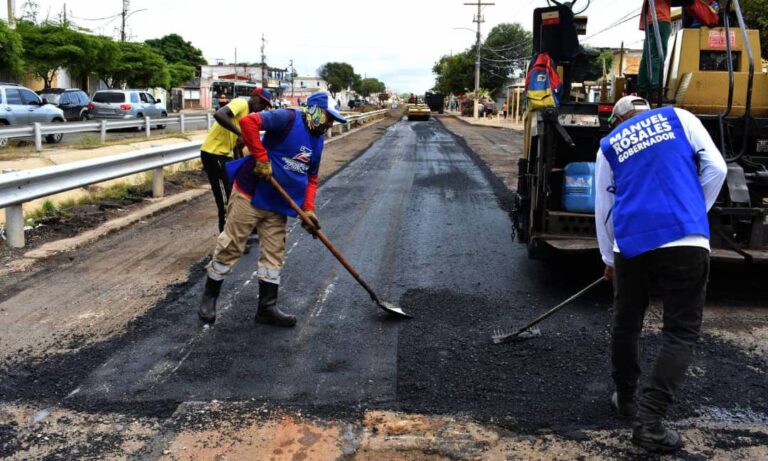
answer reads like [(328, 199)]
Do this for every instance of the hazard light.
[(604, 108)]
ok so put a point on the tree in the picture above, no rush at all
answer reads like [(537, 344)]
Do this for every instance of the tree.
[(180, 73), (137, 65), (339, 76), (756, 17), (367, 86), (504, 53), (176, 50), (11, 51), (455, 73), (49, 47), (595, 70)]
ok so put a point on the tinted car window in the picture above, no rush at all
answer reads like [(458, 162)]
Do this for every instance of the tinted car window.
[(143, 97), (12, 96), (109, 96), (150, 98), (83, 98), (134, 97), (66, 98), (29, 97)]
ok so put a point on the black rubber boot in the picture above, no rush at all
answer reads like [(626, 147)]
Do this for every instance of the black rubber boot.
[(625, 407), (268, 311), (207, 309), (655, 437)]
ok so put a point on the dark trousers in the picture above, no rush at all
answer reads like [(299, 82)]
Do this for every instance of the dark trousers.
[(213, 165), (679, 275)]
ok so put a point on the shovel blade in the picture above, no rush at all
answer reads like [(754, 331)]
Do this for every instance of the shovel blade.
[(394, 310)]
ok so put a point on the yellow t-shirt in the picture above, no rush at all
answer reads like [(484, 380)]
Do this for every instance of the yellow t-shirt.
[(220, 140)]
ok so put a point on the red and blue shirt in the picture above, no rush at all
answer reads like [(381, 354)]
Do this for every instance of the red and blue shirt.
[(294, 154)]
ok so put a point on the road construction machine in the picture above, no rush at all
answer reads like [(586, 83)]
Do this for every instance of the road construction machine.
[(715, 73)]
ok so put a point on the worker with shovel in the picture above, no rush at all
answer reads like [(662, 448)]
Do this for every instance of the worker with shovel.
[(657, 174), (290, 153)]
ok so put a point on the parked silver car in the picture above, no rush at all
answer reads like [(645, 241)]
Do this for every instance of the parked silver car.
[(125, 104), (20, 106)]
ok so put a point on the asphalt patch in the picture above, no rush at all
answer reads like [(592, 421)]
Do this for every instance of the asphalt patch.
[(561, 380)]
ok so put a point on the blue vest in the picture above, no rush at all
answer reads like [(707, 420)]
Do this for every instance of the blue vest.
[(294, 156), (658, 195)]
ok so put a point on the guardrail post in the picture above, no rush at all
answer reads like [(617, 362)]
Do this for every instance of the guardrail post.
[(182, 123), (14, 226), (38, 137), (147, 126), (103, 129), (209, 119), (158, 189)]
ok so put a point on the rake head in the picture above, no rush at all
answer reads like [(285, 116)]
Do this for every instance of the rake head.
[(501, 335)]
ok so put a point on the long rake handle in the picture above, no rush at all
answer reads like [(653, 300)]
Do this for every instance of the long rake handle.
[(559, 306), (320, 235)]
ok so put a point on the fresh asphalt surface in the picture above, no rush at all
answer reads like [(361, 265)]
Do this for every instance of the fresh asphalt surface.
[(428, 227)]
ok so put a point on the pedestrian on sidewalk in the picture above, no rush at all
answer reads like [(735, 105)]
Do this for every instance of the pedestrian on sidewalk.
[(222, 139), (657, 174), (290, 152)]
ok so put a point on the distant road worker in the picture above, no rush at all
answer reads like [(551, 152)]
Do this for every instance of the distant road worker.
[(222, 139), (648, 88), (657, 174), (291, 152)]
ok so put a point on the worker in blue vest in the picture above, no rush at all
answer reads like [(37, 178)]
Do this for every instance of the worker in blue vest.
[(290, 152), (657, 174)]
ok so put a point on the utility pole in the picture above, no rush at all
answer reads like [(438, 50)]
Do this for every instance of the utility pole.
[(126, 4), (12, 14), (293, 72), (263, 62), (479, 20)]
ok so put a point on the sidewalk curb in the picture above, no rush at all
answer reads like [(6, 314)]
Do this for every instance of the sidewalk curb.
[(56, 247), (457, 117)]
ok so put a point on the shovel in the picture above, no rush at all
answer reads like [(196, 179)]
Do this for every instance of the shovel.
[(389, 307), (527, 332)]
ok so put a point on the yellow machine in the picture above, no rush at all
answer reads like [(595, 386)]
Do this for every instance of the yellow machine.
[(715, 73), (698, 73), (418, 112)]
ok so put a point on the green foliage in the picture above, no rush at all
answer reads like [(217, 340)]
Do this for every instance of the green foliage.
[(101, 54), (756, 17), (595, 71), (48, 47), (138, 66), (504, 53), (11, 50), (369, 86), (176, 50), (455, 73), (180, 73), (339, 76)]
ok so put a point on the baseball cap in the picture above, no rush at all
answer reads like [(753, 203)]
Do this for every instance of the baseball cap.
[(264, 94), (321, 99), (627, 104)]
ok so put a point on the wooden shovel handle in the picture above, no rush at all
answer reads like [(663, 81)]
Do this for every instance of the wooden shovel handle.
[(318, 232)]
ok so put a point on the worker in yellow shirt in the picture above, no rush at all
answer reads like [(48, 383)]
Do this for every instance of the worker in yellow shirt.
[(222, 139)]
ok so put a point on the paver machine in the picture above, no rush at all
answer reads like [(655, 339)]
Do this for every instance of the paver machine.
[(715, 73)]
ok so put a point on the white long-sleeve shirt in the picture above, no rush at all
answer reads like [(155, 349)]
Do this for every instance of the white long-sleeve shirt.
[(712, 171)]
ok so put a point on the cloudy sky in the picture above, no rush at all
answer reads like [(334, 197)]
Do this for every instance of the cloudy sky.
[(396, 41)]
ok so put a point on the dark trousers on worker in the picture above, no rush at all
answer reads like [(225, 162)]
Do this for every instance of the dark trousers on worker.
[(679, 275), (214, 168)]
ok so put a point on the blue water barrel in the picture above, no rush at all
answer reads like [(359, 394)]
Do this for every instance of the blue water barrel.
[(579, 187)]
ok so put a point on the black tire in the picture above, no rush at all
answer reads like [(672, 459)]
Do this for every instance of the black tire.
[(55, 138), (162, 115), (85, 116), (140, 117)]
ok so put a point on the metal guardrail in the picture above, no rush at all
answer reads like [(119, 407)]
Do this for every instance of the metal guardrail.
[(18, 187), (39, 130)]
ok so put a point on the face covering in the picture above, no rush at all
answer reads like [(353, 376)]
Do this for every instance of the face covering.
[(315, 119)]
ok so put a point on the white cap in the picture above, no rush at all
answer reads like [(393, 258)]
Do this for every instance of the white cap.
[(628, 104)]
